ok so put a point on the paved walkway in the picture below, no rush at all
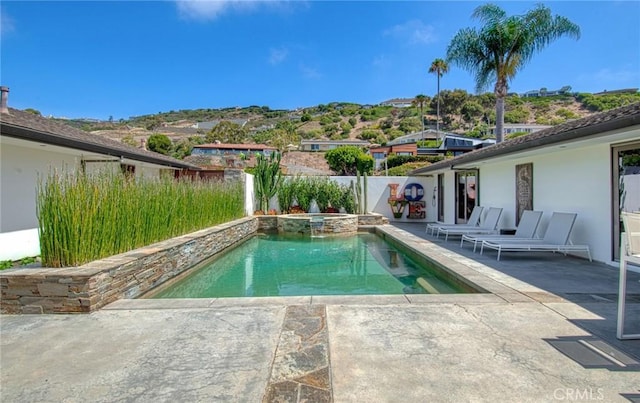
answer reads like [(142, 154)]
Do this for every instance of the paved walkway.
[(547, 334)]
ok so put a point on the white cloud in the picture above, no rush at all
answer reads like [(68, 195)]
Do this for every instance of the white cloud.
[(412, 32), (277, 56), (202, 10), (205, 10), (6, 23), (309, 72)]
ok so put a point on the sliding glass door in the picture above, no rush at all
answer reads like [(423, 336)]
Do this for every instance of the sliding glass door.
[(466, 194), (626, 187)]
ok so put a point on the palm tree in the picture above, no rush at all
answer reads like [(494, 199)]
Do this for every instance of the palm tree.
[(502, 47), (419, 101), (439, 67)]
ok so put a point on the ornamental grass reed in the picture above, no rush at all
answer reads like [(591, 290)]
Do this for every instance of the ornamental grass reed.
[(84, 217)]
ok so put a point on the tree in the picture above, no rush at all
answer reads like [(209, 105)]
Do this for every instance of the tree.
[(503, 46), (451, 101), (343, 159), (471, 111), (153, 123), (409, 125), (419, 101), (227, 132), (159, 143), (438, 67), (33, 111)]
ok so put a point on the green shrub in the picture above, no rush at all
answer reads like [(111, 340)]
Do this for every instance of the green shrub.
[(305, 191), (398, 160), (87, 217), (286, 195), (6, 264), (519, 114), (566, 113), (604, 102), (348, 199), (28, 260)]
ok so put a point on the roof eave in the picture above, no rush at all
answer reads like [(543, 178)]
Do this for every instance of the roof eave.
[(596, 130), (19, 132)]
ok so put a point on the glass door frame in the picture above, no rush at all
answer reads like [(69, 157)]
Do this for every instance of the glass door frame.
[(466, 209), (440, 193), (615, 194)]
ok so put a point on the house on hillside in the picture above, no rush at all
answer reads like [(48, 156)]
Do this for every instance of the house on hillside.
[(380, 154), (620, 91), (452, 143), (509, 128), (31, 146), (543, 92), (578, 166), (428, 134), (456, 144), (326, 145), (232, 149), (398, 102)]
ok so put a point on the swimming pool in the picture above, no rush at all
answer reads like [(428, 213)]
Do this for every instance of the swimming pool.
[(299, 265)]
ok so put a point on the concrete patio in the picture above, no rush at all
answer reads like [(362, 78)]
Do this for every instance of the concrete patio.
[(547, 335)]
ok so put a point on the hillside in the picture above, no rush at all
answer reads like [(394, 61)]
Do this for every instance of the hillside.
[(461, 112)]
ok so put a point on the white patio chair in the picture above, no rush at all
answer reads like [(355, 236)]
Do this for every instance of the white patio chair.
[(629, 254), (556, 239), (488, 225), (473, 221), (526, 230)]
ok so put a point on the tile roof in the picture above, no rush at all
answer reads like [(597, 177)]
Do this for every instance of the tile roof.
[(236, 146), (25, 125), (593, 125)]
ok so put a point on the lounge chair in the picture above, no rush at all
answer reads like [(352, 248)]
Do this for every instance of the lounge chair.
[(629, 254), (473, 221), (526, 230), (556, 239), (488, 225)]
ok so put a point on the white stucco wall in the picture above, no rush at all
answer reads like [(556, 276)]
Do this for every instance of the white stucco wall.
[(378, 193), (249, 195), (565, 180), (20, 167)]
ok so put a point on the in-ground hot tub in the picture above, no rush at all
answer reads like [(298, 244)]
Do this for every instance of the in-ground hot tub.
[(318, 224)]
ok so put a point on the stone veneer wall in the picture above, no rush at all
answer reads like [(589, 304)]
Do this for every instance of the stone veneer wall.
[(267, 223), (342, 224), (372, 219), (127, 275)]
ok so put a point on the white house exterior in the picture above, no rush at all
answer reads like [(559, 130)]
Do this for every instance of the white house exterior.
[(428, 134), (326, 145), (520, 128), (398, 102), (31, 146), (575, 168)]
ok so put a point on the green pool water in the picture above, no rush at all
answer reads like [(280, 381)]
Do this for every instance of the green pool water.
[(277, 265)]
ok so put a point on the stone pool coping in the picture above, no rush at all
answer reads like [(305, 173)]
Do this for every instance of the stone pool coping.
[(116, 280)]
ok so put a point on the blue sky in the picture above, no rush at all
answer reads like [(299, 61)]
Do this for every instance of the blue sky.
[(130, 58)]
